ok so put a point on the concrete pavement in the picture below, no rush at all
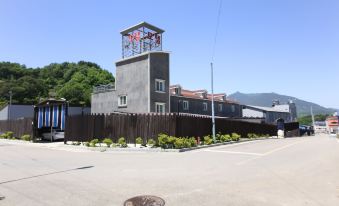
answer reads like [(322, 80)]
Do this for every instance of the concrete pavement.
[(292, 171)]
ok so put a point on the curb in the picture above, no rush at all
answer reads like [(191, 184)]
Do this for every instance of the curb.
[(219, 144), (106, 149)]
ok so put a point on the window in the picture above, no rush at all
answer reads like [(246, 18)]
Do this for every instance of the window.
[(176, 91), (185, 105), (159, 85), (233, 108), (122, 101), (204, 106), (220, 107), (160, 107)]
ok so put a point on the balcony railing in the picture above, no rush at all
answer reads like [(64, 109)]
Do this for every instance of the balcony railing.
[(104, 88)]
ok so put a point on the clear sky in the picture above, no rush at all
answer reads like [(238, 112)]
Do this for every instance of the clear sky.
[(289, 47)]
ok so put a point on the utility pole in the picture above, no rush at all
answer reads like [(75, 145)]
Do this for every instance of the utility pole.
[(212, 60), (9, 110), (213, 118), (10, 104), (312, 117)]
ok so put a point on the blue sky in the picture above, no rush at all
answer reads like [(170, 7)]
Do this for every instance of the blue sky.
[(284, 46)]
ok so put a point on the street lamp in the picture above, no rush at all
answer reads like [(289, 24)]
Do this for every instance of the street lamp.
[(213, 118), (10, 104)]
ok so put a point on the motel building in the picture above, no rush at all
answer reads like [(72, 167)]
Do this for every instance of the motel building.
[(142, 82)]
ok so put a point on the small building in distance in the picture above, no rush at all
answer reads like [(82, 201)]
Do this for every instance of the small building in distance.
[(320, 127), (287, 112), (16, 111), (19, 111), (332, 124)]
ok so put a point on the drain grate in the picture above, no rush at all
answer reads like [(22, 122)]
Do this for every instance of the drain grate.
[(2, 197), (145, 200)]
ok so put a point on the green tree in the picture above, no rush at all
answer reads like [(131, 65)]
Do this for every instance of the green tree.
[(307, 120), (72, 81)]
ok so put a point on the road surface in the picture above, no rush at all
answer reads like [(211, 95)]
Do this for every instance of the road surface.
[(274, 172)]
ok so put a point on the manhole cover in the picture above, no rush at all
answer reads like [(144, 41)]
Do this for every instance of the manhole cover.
[(144, 200)]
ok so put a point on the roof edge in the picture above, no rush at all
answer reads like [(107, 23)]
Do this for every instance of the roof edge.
[(141, 24)]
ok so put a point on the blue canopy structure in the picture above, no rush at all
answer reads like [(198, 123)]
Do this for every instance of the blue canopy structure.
[(50, 116)]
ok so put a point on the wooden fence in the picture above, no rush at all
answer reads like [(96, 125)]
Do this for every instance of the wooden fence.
[(19, 127), (292, 129), (130, 126)]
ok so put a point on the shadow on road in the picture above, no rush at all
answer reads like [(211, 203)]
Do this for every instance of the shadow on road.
[(46, 174)]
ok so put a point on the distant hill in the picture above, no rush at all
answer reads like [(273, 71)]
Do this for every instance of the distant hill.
[(265, 99)]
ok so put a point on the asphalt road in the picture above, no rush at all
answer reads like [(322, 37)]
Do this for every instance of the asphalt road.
[(293, 171)]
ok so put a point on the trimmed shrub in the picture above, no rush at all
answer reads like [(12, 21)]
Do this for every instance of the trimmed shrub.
[(194, 142), (138, 140), (93, 142), (171, 140), (178, 143), (218, 137), (122, 142), (225, 138), (235, 137), (187, 143), (107, 141), (26, 137), (151, 142), (9, 135), (163, 140), (87, 144), (208, 140)]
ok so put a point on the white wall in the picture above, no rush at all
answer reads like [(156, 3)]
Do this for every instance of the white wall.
[(252, 113), (4, 113)]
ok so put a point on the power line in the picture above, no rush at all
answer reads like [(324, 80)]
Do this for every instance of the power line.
[(216, 30)]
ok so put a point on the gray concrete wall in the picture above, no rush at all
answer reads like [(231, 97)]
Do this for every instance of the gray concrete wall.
[(159, 69), (135, 77), (132, 79), (104, 103), (78, 110)]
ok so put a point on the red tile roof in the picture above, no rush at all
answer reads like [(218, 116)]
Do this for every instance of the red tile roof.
[(196, 94)]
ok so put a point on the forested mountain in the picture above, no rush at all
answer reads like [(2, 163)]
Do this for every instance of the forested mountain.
[(72, 81), (265, 100)]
